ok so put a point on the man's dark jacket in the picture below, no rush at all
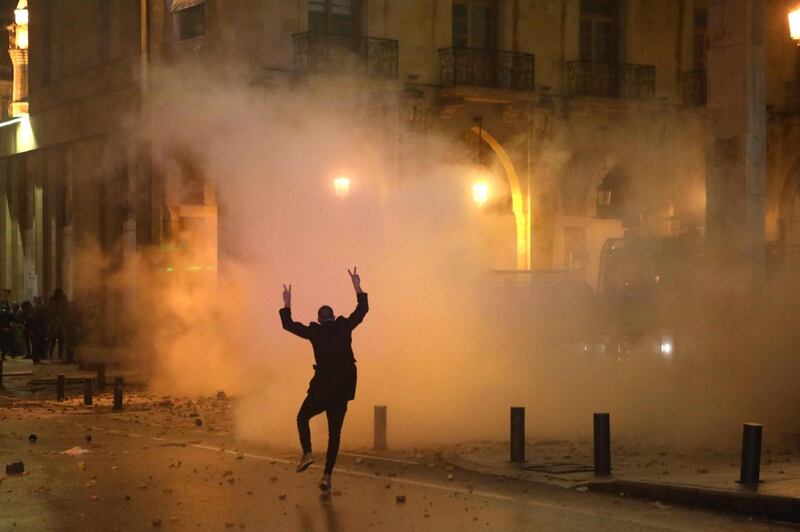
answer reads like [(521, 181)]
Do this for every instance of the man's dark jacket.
[(335, 370)]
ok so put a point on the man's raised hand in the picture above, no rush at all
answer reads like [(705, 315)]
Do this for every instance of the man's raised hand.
[(287, 296), (356, 279)]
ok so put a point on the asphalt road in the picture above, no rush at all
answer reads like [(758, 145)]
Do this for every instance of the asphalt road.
[(151, 469)]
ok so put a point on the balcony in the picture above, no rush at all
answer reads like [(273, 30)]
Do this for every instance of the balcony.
[(344, 54), (611, 80), (693, 87), (486, 68)]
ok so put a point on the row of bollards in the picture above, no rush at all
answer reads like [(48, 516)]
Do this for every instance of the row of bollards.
[(751, 445), (61, 386)]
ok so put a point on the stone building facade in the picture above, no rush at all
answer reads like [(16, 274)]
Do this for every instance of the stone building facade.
[(592, 114)]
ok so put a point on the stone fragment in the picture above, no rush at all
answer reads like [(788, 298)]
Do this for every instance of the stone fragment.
[(15, 468)]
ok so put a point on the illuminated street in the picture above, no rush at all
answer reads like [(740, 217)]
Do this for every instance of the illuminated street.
[(151, 467)]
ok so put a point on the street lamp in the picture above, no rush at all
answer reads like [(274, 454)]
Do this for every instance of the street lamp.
[(794, 24), (341, 185)]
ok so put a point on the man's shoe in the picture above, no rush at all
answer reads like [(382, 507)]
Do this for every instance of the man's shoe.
[(306, 460), (325, 483)]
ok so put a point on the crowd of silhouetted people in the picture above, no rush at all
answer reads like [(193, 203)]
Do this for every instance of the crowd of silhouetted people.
[(32, 330)]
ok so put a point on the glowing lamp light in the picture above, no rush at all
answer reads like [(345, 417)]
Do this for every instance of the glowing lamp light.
[(341, 185), (21, 16), (666, 348), (480, 193), (21, 30), (794, 23)]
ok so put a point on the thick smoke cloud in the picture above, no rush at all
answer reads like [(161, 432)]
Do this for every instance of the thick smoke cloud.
[(448, 346)]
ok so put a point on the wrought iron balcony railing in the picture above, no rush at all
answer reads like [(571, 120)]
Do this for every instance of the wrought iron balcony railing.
[(693, 85), (486, 68), (344, 54), (611, 80)]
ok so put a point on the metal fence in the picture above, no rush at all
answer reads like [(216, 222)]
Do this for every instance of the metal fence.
[(486, 68), (611, 80), (344, 54)]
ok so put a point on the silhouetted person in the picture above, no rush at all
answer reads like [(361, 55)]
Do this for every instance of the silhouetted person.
[(57, 321), (334, 382), (37, 323)]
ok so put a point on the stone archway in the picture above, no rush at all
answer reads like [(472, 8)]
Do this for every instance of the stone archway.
[(521, 215)]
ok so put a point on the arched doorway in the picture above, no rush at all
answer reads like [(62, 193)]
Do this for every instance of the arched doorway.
[(518, 201)]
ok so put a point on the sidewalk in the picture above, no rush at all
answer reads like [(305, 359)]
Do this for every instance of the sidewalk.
[(693, 477), (21, 376)]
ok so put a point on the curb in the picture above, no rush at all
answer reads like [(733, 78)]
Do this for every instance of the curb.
[(773, 507), (770, 506), (460, 462)]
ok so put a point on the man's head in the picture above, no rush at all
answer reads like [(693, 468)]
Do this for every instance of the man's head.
[(325, 313)]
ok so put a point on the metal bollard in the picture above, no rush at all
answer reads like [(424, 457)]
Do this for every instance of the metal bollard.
[(602, 444), (379, 436), (517, 441), (61, 385), (101, 378), (87, 392), (118, 393), (751, 454)]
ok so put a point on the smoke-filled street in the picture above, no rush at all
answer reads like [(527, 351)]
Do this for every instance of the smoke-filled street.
[(444, 265), (152, 467)]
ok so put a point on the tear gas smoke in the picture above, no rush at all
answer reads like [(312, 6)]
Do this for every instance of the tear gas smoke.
[(448, 345)]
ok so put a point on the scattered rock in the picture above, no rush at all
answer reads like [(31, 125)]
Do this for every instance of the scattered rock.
[(75, 451), (15, 468), (156, 523), (88, 438), (400, 499), (32, 438), (198, 422), (221, 395), (702, 471), (282, 497), (661, 506)]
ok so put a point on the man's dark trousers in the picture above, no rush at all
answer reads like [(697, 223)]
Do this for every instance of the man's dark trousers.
[(334, 411)]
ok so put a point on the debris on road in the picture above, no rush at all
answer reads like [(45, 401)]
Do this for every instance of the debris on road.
[(400, 499), (15, 468), (75, 451)]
